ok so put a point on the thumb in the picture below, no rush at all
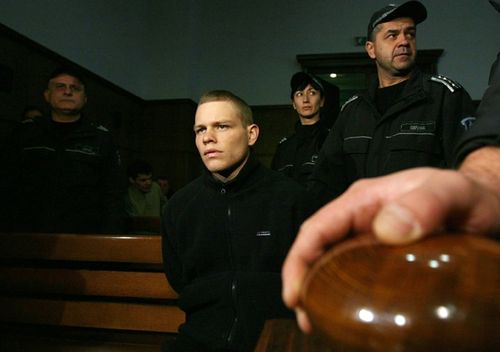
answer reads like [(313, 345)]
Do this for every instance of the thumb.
[(411, 217), (396, 224)]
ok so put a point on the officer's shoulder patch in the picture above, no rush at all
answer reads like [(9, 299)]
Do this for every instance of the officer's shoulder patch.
[(447, 82), (350, 100), (282, 140)]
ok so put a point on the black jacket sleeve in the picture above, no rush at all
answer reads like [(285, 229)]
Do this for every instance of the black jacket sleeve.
[(328, 179), (172, 264), (113, 189), (486, 129)]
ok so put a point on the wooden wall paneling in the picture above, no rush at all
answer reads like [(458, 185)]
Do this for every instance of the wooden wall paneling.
[(275, 122)]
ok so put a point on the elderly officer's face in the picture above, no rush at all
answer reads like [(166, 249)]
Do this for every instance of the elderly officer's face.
[(222, 139), (66, 94), (394, 46)]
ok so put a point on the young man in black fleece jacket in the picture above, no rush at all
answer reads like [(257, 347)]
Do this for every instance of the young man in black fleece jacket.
[(226, 234)]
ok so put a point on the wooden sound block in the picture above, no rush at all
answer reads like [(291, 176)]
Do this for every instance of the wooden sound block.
[(439, 294)]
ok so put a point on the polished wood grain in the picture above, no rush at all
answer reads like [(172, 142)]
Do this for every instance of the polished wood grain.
[(440, 294), (81, 247), (86, 281), (133, 316), (284, 335)]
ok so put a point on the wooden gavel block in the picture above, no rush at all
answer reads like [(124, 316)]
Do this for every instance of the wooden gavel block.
[(439, 294)]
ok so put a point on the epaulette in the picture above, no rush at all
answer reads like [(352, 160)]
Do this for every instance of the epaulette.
[(282, 140), (350, 100), (102, 128), (448, 83)]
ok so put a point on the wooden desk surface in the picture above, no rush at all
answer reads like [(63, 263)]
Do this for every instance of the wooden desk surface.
[(284, 335)]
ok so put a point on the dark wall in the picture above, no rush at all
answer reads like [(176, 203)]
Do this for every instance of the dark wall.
[(164, 134), (29, 66), (159, 131), (275, 122)]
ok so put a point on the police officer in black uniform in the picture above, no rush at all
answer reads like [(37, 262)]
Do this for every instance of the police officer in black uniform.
[(297, 154), (405, 119), (61, 173)]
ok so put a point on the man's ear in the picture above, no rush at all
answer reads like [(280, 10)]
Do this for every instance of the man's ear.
[(253, 134), (370, 49), (131, 180), (46, 95), (322, 102)]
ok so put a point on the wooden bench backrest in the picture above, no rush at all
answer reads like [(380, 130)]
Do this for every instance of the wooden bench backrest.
[(93, 281)]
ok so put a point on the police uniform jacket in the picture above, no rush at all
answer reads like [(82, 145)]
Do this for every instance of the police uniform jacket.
[(486, 131), (223, 248), (296, 155), (420, 129), (63, 178)]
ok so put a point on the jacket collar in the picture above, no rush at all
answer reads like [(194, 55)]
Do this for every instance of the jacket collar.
[(239, 181), (411, 87), (412, 92)]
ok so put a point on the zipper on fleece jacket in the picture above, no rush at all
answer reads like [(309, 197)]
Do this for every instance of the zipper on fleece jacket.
[(234, 284), (230, 335)]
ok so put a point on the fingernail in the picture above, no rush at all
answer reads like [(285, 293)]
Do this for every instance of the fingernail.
[(397, 225)]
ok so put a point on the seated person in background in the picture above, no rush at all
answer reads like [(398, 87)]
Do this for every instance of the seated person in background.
[(296, 155), (226, 234), (165, 187), (31, 112), (144, 197), (62, 173)]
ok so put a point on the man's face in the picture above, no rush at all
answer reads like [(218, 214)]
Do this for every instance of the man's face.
[(142, 182), (394, 46), (307, 102), (221, 138), (65, 94), (164, 185)]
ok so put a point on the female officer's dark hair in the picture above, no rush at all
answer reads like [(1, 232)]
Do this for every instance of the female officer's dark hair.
[(300, 80)]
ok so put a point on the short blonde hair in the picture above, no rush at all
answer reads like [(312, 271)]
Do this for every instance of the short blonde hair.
[(224, 95)]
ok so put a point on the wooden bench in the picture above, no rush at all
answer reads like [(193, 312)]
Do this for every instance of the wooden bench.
[(144, 225), (109, 287)]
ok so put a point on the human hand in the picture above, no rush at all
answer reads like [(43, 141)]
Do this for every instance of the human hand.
[(398, 208)]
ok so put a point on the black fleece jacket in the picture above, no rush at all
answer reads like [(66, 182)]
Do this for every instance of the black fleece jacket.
[(486, 131), (223, 248)]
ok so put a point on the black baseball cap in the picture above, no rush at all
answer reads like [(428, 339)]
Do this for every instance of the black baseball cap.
[(300, 80), (413, 9)]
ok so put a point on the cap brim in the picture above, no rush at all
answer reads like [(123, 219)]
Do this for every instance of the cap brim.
[(413, 9), (300, 77)]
